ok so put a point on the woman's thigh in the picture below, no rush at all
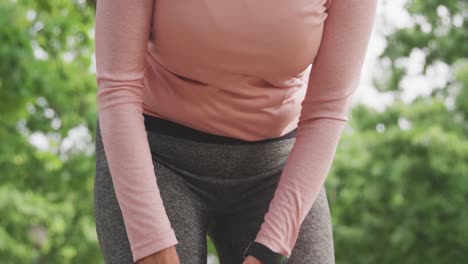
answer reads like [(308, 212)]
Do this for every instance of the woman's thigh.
[(220, 189), (183, 208), (231, 233)]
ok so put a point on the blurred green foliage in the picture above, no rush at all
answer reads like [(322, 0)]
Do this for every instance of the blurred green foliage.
[(399, 184), (397, 189), (46, 88)]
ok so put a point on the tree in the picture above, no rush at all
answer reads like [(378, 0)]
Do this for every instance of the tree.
[(400, 178), (48, 92)]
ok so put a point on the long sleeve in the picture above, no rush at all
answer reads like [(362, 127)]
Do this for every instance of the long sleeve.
[(334, 77), (122, 30)]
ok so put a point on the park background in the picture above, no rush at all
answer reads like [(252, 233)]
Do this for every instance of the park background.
[(398, 187)]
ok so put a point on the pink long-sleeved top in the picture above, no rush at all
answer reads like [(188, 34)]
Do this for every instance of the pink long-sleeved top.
[(233, 68)]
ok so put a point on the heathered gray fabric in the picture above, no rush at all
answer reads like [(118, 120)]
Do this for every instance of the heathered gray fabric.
[(222, 191)]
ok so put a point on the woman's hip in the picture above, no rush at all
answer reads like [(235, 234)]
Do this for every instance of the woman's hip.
[(223, 158), (224, 172)]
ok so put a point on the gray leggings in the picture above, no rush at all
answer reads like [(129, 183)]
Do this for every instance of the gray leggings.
[(219, 190)]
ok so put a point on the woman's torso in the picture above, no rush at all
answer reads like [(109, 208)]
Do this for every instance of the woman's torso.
[(232, 68)]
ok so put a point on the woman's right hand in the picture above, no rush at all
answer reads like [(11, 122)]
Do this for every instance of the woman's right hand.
[(165, 256)]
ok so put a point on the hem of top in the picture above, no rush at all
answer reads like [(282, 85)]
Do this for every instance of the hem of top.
[(159, 242), (167, 127)]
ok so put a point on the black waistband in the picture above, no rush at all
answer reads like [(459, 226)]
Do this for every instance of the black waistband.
[(167, 127)]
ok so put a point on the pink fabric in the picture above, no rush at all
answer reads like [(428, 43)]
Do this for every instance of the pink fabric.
[(232, 68)]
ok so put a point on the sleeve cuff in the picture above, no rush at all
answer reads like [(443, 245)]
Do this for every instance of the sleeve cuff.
[(273, 245), (157, 243)]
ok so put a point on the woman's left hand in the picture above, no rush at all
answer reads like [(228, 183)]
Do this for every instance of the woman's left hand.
[(252, 260)]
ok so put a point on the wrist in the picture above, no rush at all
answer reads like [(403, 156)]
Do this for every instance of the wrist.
[(263, 254)]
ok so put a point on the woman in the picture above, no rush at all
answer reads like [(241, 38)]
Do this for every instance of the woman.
[(209, 123)]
